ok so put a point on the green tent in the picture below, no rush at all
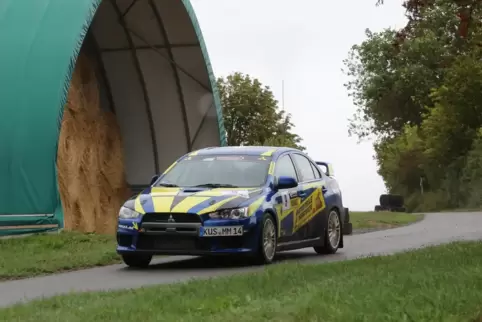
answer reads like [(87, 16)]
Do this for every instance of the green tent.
[(155, 76)]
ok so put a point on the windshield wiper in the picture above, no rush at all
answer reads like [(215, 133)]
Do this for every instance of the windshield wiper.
[(216, 185), (165, 184)]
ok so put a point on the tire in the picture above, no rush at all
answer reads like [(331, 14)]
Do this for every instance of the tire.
[(137, 260), (331, 245), (268, 240)]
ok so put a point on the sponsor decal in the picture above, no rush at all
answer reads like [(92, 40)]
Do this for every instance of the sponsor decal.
[(230, 158), (134, 226), (240, 193), (243, 193), (285, 201), (308, 209)]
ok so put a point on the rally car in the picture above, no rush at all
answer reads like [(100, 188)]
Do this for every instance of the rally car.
[(254, 201)]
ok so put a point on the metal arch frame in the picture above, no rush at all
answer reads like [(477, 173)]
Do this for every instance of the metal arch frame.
[(102, 71), (155, 48), (203, 120), (141, 80), (177, 79)]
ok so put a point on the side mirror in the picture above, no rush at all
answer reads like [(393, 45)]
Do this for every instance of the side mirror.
[(154, 179), (286, 182)]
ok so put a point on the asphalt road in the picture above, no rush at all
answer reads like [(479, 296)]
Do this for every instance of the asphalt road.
[(434, 229)]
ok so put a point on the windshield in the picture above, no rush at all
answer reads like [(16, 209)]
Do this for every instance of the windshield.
[(218, 171)]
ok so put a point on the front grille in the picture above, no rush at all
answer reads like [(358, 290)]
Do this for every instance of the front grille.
[(124, 240), (167, 242), (187, 242), (178, 218)]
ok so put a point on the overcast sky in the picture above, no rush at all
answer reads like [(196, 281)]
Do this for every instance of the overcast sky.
[(303, 42)]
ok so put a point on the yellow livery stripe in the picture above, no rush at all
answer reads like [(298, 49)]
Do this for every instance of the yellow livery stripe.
[(169, 169), (188, 203), (137, 205), (216, 206), (313, 185), (164, 191), (268, 153), (163, 203), (255, 205), (271, 168)]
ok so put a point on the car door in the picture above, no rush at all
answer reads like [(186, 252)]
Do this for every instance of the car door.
[(309, 215), (287, 200)]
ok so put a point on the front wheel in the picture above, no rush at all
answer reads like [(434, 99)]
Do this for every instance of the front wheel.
[(332, 236), (267, 241), (137, 260)]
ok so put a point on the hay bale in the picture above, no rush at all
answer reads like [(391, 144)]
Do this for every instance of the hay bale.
[(90, 158)]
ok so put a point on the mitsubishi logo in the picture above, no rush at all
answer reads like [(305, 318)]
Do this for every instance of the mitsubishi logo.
[(171, 219)]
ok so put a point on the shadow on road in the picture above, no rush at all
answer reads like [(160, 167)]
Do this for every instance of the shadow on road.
[(207, 263)]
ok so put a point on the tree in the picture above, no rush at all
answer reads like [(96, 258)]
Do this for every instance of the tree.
[(251, 114), (418, 91)]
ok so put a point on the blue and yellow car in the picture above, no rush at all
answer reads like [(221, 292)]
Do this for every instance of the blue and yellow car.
[(234, 200)]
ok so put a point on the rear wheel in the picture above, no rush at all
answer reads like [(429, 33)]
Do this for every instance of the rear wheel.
[(137, 260), (267, 241), (332, 236)]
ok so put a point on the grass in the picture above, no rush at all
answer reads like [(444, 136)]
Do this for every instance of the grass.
[(433, 284), (50, 253), (382, 219)]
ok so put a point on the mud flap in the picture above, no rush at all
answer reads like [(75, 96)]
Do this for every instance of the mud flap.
[(347, 225)]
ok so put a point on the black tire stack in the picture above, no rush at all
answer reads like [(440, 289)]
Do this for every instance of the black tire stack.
[(394, 203)]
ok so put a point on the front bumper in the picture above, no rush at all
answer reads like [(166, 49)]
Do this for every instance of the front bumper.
[(183, 238)]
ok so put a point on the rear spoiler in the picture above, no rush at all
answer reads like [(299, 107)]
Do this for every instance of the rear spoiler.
[(326, 167)]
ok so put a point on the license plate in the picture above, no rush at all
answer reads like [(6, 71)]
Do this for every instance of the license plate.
[(221, 231)]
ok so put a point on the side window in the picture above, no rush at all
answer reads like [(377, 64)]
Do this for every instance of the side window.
[(304, 165), (316, 171), (285, 167)]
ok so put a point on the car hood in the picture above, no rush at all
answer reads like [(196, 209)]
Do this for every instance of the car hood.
[(193, 200)]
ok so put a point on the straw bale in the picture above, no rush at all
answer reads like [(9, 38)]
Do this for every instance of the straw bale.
[(90, 160)]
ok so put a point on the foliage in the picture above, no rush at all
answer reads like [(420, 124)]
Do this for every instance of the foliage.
[(418, 91), (251, 114)]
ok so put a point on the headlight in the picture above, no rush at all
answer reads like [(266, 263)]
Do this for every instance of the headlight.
[(237, 213), (126, 213)]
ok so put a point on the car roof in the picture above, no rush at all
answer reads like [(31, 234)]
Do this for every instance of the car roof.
[(246, 150)]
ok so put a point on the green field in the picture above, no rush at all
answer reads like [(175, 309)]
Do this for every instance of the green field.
[(51, 253), (382, 219), (434, 284)]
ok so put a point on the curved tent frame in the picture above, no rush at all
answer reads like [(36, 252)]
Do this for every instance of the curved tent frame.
[(41, 40)]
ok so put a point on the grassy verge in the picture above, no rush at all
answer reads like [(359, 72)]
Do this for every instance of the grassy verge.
[(434, 284), (51, 253), (382, 219)]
